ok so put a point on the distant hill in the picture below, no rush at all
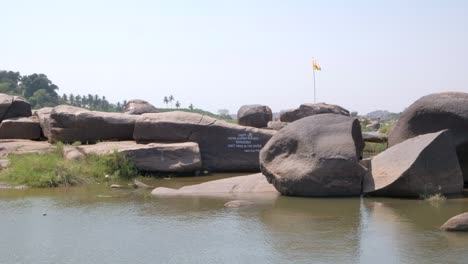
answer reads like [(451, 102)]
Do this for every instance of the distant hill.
[(383, 115)]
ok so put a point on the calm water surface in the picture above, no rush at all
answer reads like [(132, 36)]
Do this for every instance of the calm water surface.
[(94, 224)]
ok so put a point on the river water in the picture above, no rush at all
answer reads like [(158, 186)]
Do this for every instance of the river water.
[(94, 224)]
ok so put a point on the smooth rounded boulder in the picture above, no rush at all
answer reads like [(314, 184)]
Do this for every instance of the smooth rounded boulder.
[(138, 107), (13, 106), (306, 110), (418, 167), (316, 156), (458, 223), (223, 146), (69, 124), (254, 115), (433, 113)]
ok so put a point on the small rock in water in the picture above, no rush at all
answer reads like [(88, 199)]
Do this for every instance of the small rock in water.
[(139, 184), (107, 176), (237, 203), (458, 223), (116, 186)]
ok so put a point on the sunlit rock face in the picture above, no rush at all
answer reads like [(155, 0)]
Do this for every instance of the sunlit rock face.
[(316, 156), (223, 146), (421, 166)]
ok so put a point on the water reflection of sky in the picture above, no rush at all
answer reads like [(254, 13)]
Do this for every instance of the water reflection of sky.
[(98, 225)]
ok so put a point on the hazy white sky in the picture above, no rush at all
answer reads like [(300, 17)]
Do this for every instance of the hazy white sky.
[(223, 54)]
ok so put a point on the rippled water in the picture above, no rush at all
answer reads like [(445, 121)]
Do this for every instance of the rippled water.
[(94, 224)]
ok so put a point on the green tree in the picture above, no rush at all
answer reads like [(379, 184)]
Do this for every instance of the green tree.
[(191, 107), (42, 98), (31, 83), (177, 104), (9, 81)]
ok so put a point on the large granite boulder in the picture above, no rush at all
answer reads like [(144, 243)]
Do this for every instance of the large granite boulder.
[(20, 128), (154, 157), (316, 156), (420, 166), (254, 115), (432, 113), (436, 112), (69, 124), (138, 107), (43, 115), (251, 184), (223, 146), (13, 106), (312, 109), (458, 223)]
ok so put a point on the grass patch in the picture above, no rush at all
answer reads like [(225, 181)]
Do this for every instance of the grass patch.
[(434, 198), (52, 170), (372, 149)]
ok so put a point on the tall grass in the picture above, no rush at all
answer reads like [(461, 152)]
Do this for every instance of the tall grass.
[(372, 149), (52, 170)]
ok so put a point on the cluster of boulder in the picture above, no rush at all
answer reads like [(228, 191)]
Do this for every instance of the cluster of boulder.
[(158, 142)]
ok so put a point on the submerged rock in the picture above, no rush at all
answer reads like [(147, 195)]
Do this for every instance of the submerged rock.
[(316, 156), (250, 184), (424, 165), (457, 223), (69, 124), (138, 107), (237, 203), (254, 115), (153, 157), (306, 110), (223, 146)]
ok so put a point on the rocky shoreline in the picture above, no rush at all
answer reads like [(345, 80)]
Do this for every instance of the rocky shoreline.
[(315, 151)]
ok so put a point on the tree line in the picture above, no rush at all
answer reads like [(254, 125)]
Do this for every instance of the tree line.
[(40, 91)]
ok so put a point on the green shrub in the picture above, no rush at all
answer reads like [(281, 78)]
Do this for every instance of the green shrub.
[(52, 170)]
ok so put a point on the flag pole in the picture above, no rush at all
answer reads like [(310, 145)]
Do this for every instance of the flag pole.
[(313, 69)]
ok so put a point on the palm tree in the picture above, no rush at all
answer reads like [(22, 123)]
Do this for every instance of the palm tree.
[(171, 98), (177, 104), (191, 107), (166, 100)]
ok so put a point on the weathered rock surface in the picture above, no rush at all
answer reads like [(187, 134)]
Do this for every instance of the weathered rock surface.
[(153, 157), (138, 107), (276, 125), (13, 106), (316, 156), (18, 146), (424, 165), (457, 223), (436, 112), (254, 115), (250, 184), (223, 146), (374, 137), (20, 128), (69, 124), (43, 115), (312, 109)]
